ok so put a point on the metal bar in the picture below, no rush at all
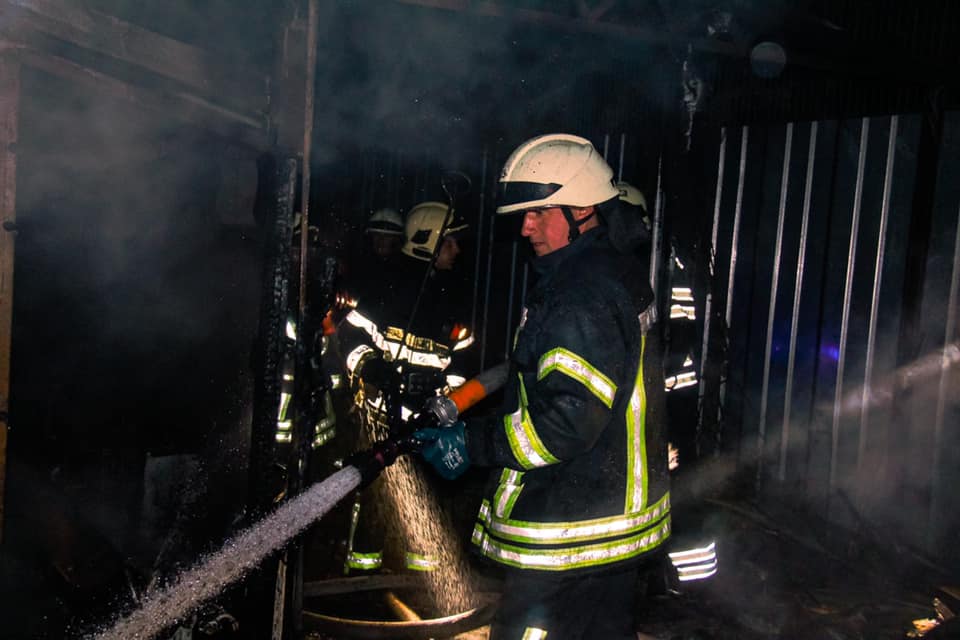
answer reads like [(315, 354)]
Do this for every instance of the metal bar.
[(523, 287), (772, 308), (486, 293), (476, 263), (606, 145), (734, 238), (847, 292), (655, 248), (933, 520), (708, 305), (795, 317), (9, 128), (623, 146), (875, 299), (513, 277)]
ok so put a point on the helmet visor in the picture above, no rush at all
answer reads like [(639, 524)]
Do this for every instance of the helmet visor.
[(516, 193)]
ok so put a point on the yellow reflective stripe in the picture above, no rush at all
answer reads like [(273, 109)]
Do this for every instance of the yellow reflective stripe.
[(636, 494), (366, 561), (580, 531), (575, 557), (505, 497), (571, 364), (421, 562), (533, 633), (525, 444)]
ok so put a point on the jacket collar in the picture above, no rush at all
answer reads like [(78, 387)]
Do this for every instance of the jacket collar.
[(588, 239)]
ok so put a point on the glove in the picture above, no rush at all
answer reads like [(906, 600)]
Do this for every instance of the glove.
[(445, 449)]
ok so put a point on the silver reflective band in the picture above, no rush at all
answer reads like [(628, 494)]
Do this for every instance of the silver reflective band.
[(463, 344), (291, 330), (573, 557), (686, 311), (421, 562), (393, 347), (698, 563), (682, 294), (681, 380), (454, 381), (533, 633), (354, 357), (560, 532), (336, 381), (364, 561), (524, 441)]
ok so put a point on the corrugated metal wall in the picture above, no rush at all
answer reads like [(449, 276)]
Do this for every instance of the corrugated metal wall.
[(811, 244)]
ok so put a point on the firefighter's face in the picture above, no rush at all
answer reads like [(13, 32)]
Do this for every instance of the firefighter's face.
[(449, 250), (385, 245), (547, 229)]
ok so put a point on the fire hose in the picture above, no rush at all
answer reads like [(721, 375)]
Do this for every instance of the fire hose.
[(439, 411)]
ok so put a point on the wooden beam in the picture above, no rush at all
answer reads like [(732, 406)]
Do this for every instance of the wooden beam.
[(192, 67), (9, 119), (195, 110)]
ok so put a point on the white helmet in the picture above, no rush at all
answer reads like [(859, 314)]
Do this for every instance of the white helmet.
[(386, 221), (629, 194), (423, 229), (555, 170)]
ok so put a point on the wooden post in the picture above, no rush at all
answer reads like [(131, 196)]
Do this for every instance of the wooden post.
[(9, 112)]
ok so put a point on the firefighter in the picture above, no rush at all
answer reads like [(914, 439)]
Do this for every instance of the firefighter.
[(395, 364), (579, 500)]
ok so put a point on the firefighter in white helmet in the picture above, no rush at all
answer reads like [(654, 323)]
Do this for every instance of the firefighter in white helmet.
[(385, 232), (579, 499), (395, 362)]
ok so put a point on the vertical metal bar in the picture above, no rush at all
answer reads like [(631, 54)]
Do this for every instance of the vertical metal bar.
[(486, 292), (875, 299), (797, 291), (523, 287), (949, 353), (655, 248), (606, 145), (623, 146), (708, 305), (513, 277), (772, 308), (847, 294), (734, 239), (9, 131), (479, 243)]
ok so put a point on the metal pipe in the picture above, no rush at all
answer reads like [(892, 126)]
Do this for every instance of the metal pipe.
[(772, 307), (933, 520), (847, 292), (875, 299), (708, 305), (795, 317), (623, 145), (734, 238), (513, 277), (486, 293), (655, 249), (606, 145), (476, 261), (523, 287)]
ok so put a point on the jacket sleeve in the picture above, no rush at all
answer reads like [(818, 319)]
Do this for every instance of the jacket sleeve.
[(564, 406)]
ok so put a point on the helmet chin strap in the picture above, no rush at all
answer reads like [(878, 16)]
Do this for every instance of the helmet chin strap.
[(573, 223)]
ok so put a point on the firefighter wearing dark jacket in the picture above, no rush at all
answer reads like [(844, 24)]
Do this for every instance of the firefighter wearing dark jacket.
[(581, 502), (395, 365)]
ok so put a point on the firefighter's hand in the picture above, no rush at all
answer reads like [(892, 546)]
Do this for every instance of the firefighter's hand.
[(445, 448)]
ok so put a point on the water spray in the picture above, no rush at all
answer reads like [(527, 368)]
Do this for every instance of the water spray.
[(161, 609)]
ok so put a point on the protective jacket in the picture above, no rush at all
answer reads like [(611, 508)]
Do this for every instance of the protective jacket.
[(581, 437)]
